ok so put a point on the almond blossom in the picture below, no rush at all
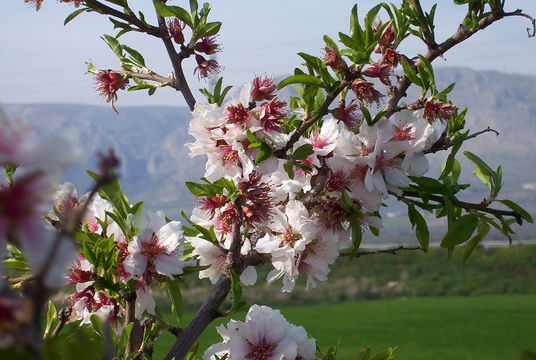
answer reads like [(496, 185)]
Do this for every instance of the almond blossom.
[(264, 335)]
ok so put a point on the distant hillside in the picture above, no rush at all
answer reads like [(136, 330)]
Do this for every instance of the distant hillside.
[(150, 141)]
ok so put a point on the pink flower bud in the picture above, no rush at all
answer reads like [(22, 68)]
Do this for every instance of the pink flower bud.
[(271, 115), (206, 67), (108, 83), (35, 3), (237, 114), (390, 58), (380, 71), (175, 28), (207, 45), (263, 88), (439, 110), (365, 92), (348, 115), (334, 60)]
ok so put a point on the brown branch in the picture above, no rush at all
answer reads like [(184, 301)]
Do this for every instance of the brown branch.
[(63, 316), (467, 205), (210, 310), (429, 38), (180, 83), (103, 9), (165, 81), (531, 32), (463, 33), (308, 122), (393, 251), (136, 334), (443, 143)]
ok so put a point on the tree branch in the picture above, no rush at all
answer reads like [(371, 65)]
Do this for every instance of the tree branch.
[(180, 83), (463, 33), (103, 9), (210, 310), (531, 32), (443, 144), (393, 251), (308, 122)]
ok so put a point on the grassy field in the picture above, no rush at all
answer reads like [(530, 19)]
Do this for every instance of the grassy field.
[(462, 328)]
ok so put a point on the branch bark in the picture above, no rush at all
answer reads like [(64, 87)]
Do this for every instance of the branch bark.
[(392, 251)]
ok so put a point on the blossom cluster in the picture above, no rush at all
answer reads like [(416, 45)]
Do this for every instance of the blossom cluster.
[(301, 234), (153, 252), (34, 168), (264, 335)]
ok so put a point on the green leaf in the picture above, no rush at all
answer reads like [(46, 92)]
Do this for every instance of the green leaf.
[(138, 58), (460, 231), (114, 45), (483, 171), (483, 230), (236, 291), (357, 237), (421, 228), (198, 189), (52, 318), (210, 29), (289, 169), (348, 204), (72, 15), (518, 209), (410, 73), (265, 152), (173, 11), (301, 79), (302, 152), (176, 299)]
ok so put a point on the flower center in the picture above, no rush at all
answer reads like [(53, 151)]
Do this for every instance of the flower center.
[(151, 247), (289, 238), (260, 351)]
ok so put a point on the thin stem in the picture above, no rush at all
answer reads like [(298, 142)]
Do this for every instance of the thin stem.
[(443, 143), (180, 83), (393, 251), (101, 8)]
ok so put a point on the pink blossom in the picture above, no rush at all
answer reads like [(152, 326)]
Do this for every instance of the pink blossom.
[(263, 88)]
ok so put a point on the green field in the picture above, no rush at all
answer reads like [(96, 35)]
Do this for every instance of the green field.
[(461, 328)]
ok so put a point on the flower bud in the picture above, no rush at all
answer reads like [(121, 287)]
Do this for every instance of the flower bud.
[(109, 82), (365, 92), (207, 45), (379, 71), (334, 60), (439, 110), (206, 67), (263, 88), (175, 28), (347, 115)]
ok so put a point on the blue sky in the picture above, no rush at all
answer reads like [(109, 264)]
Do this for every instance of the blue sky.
[(43, 61)]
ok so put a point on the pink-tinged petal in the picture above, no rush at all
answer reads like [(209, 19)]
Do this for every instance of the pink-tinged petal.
[(144, 302), (82, 286), (169, 265), (135, 264), (249, 276), (157, 220), (169, 236)]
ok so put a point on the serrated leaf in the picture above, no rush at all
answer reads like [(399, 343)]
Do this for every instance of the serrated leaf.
[(357, 237), (410, 73), (173, 11), (301, 79), (302, 152), (518, 209), (236, 290), (460, 231), (72, 15), (483, 230), (114, 45), (175, 296)]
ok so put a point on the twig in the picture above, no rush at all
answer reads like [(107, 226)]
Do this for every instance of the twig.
[(210, 310), (393, 251), (180, 83), (463, 33), (63, 316), (519, 12), (165, 81), (443, 143), (308, 122), (136, 334), (101, 8), (467, 205)]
